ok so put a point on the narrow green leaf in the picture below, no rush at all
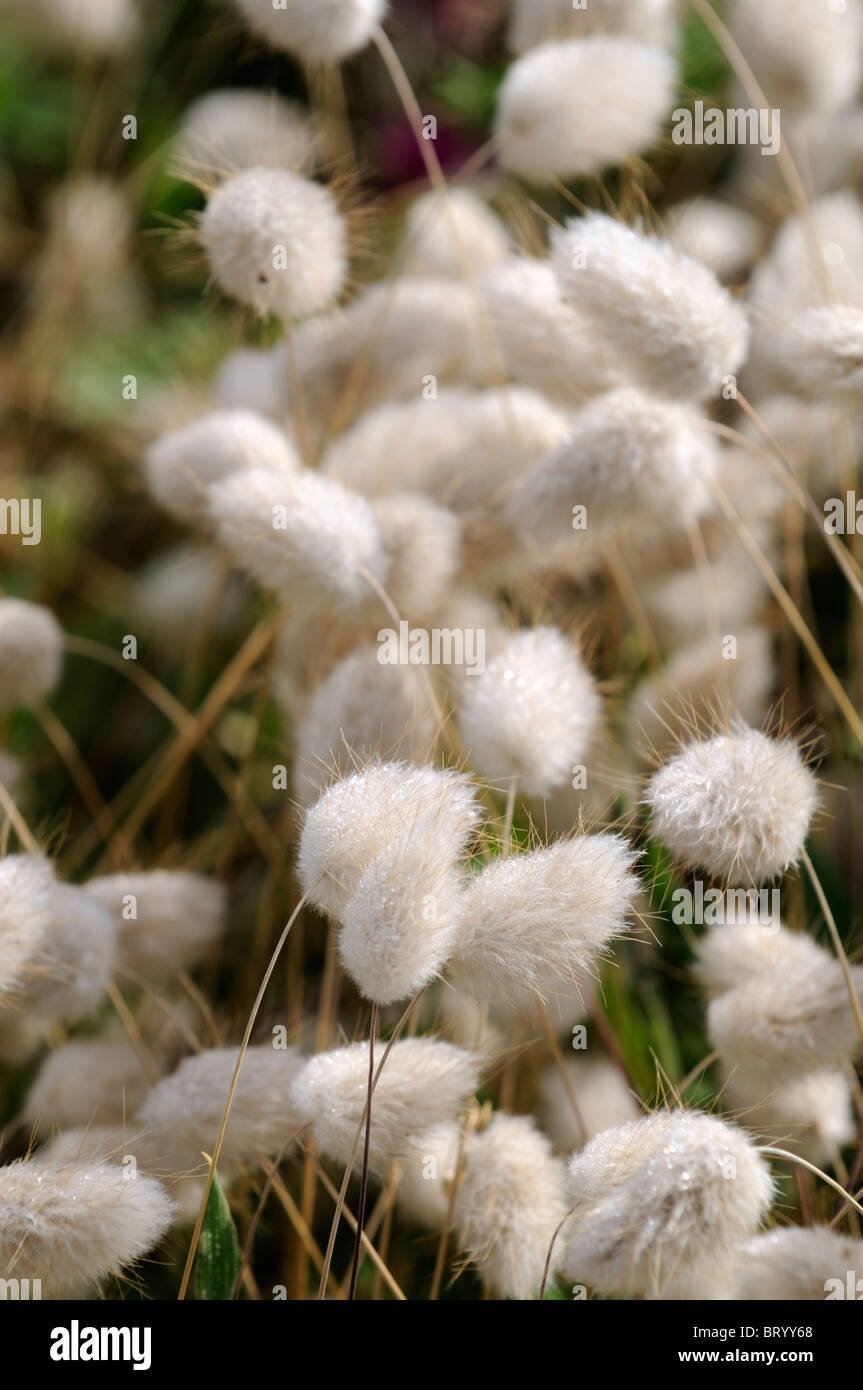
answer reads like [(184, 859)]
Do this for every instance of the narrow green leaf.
[(219, 1250)]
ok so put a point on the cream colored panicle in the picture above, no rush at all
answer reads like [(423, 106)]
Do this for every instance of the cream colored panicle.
[(318, 31), (31, 652), (168, 919), (183, 463)]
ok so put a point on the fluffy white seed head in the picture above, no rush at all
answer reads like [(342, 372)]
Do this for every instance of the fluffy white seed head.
[(168, 920), (179, 584), (304, 536), (70, 1224), (359, 816), (822, 354), (578, 107), (625, 453), (674, 603), (602, 1100), (233, 129), (363, 710), (399, 926), (539, 21), (422, 541), (183, 463), (427, 1169), (508, 1204), (453, 237), (424, 1082), (725, 238), (806, 54), (26, 896), (786, 1022), (276, 242), (31, 652), (318, 31), (660, 313), (531, 713), (252, 379), (738, 805), (733, 952), (89, 1081), (183, 1113), (664, 1203), (538, 924), (812, 1115), (799, 1263)]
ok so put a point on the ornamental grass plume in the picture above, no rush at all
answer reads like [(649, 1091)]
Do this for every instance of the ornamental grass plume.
[(234, 128), (531, 713), (725, 238), (26, 899), (182, 464), (625, 457), (71, 1224), (538, 924), (31, 653), (662, 1206), (276, 242), (422, 541), (167, 920), (538, 21), (303, 536), (738, 805), (361, 815), (812, 1115), (800, 1263), (663, 316), (508, 1204), (822, 354), (426, 1171), (88, 1081), (806, 57), (182, 1114), (317, 31), (363, 710), (573, 108), (424, 1082), (736, 951), (450, 237), (602, 1097)]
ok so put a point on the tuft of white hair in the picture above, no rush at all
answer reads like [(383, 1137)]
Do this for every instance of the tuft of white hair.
[(276, 242), (733, 952), (26, 898), (822, 354), (531, 713), (812, 1115), (603, 1100), (31, 652), (232, 129), (168, 920), (427, 1169), (539, 21), (508, 1204), (453, 236), (579, 107), (806, 57), (88, 1081), (183, 463), (422, 541), (317, 31), (798, 1263), (723, 237), (738, 805), (659, 313)]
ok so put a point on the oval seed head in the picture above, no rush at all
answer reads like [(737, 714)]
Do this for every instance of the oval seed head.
[(737, 805), (167, 920), (807, 57), (811, 1115), (663, 1204), (423, 544), (183, 1113), (661, 315), (625, 454), (424, 1082), (276, 242), (531, 713), (427, 1170), (508, 1205), (786, 1022), (70, 1224), (799, 1263), (453, 236), (538, 924), (303, 536), (231, 129), (723, 237), (31, 652), (822, 354), (183, 463), (26, 897), (317, 31), (603, 1097), (574, 108), (363, 710), (539, 21), (361, 815), (732, 953), (400, 925), (89, 1081)]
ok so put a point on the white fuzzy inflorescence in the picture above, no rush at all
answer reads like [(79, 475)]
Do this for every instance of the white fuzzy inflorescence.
[(318, 31), (738, 805), (167, 920), (539, 21), (26, 894), (800, 1263), (453, 236), (233, 129), (182, 1114), (579, 107), (822, 354), (364, 813), (508, 1204), (663, 1205), (812, 1115), (582, 1098), (806, 54), (183, 463), (71, 1224), (724, 238), (31, 652), (424, 1082), (276, 242), (422, 541), (656, 311), (538, 924), (89, 1081), (531, 713), (303, 536), (734, 952)]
